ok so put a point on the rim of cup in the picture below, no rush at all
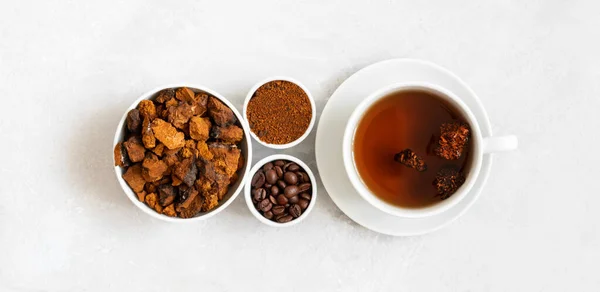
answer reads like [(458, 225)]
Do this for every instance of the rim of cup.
[(312, 105), (248, 190), (119, 136), (357, 182)]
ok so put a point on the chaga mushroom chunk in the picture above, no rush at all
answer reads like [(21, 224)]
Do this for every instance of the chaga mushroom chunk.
[(165, 95), (185, 94), (147, 109), (410, 159), (179, 115), (147, 135), (186, 171), (210, 202), (213, 183), (134, 178), (120, 155), (169, 211), (229, 154), (447, 182), (166, 195), (135, 149), (222, 186), (200, 103), (220, 113), (230, 134), (204, 153), (199, 128), (453, 140), (153, 169), (159, 149), (151, 200), (171, 157), (190, 205), (141, 196), (133, 121), (167, 134)]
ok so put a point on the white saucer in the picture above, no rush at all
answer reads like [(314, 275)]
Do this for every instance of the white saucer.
[(328, 146)]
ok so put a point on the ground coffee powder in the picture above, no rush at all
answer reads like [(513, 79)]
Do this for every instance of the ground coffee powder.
[(279, 112)]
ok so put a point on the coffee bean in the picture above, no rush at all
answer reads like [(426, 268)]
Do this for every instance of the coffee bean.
[(295, 210), (279, 163), (263, 194), (281, 184), (299, 175), (306, 196), (265, 205), (273, 200), (274, 190), (303, 203), (271, 176), (291, 191), (267, 186), (258, 180), (259, 194), (293, 200), (282, 200), (280, 216), (305, 177), (285, 167), (304, 187), (268, 166), (268, 214), (293, 167), (278, 210), (285, 219), (290, 178), (279, 171)]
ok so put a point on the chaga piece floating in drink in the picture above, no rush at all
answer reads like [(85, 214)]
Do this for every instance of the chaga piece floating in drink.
[(447, 182), (453, 140), (410, 159)]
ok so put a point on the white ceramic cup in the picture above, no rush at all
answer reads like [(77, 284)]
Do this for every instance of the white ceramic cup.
[(480, 146), (234, 190), (312, 105), (248, 190)]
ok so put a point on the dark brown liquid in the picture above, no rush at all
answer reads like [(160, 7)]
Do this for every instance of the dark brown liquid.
[(405, 119)]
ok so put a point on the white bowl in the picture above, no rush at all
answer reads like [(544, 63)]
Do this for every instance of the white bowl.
[(234, 190), (312, 105), (248, 190)]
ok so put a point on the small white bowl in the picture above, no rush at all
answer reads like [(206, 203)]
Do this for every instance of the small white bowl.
[(234, 190), (248, 190), (312, 105)]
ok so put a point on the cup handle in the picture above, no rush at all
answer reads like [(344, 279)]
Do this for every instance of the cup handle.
[(500, 144)]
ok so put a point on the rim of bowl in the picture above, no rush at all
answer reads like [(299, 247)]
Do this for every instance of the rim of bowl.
[(367, 194), (312, 105), (243, 177), (248, 190)]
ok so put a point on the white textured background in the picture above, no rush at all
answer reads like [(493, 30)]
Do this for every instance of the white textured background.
[(69, 69)]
